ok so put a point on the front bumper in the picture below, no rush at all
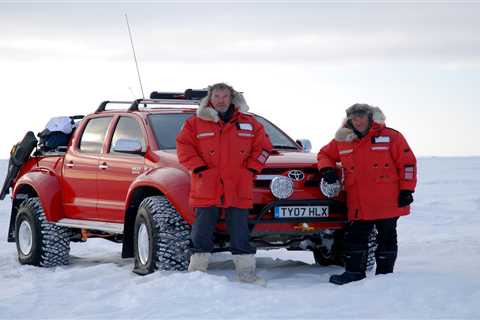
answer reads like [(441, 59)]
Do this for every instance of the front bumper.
[(337, 209), (263, 224)]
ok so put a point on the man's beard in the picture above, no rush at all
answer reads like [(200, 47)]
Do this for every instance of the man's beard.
[(222, 109)]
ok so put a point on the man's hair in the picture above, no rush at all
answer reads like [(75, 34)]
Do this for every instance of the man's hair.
[(221, 86)]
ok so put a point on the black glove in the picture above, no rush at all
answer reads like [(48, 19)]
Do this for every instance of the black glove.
[(405, 198), (253, 171), (330, 175), (200, 169)]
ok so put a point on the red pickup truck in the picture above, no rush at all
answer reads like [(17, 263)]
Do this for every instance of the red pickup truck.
[(119, 179)]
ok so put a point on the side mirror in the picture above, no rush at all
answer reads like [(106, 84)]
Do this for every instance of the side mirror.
[(128, 146), (306, 144)]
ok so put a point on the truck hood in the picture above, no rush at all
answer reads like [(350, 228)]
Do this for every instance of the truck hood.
[(291, 158), (276, 160)]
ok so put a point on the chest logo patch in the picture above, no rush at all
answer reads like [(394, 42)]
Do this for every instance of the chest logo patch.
[(245, 126), (381, 139)]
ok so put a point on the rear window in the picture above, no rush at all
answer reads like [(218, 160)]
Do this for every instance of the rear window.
[(127, 128), (94, 135), (167, 126)]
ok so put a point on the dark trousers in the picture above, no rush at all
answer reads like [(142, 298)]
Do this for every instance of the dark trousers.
[(237, 226), (358, 232)]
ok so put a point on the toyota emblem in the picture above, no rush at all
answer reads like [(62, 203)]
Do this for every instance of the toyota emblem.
[(296, 175)]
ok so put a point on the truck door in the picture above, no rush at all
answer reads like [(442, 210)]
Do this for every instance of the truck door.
[(80, 170), (119, 168)]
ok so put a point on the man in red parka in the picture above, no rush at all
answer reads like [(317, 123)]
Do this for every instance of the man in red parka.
[(223, 147), (379, 177)]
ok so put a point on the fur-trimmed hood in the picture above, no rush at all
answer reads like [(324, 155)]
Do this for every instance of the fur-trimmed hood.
[(208, 113), (346, 134)]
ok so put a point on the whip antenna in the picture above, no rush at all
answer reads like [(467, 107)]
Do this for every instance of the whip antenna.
[(134, 56)]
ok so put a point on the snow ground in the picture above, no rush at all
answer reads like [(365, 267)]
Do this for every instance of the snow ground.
[(437, 273)]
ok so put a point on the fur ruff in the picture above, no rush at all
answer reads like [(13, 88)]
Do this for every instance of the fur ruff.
[(346, 134), (208, 113)]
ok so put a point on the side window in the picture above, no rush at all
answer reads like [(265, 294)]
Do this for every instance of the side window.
[(127, 128), (94, 135)]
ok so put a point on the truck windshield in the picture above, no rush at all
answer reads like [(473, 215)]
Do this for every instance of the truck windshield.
[(167, 126)]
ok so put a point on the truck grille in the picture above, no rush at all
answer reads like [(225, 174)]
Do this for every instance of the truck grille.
[(311, 176)]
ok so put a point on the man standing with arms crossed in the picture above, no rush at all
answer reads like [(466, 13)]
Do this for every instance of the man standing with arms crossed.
[(223, 148)]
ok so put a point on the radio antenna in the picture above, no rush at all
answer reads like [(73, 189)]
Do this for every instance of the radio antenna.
[(134, 56)]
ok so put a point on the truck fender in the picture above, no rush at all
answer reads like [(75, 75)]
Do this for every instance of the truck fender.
[(47, 187), (173, 183)]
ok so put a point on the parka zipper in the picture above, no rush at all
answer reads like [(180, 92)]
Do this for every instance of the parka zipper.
[(222, 196)]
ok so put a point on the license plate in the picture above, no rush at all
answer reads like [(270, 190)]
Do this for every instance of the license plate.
[(301, 212)]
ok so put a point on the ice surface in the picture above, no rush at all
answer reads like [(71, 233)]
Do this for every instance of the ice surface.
[(437, 274)]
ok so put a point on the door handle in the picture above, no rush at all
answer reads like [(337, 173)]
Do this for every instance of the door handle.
[(103, 166), (43, 170), (70, 164)]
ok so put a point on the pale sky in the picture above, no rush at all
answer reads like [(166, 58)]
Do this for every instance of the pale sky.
[(299, 64)]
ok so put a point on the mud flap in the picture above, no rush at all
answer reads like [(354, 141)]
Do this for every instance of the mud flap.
[(13, 216)]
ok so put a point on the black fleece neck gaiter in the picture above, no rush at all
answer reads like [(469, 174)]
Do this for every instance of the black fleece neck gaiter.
[(227, 115)]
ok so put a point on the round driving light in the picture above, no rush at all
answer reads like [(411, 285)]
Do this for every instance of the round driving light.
[(281, 187), (330, 190)]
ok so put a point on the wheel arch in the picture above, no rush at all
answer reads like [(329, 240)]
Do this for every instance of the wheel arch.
[(44, 185), (38, 183), (172, 183)]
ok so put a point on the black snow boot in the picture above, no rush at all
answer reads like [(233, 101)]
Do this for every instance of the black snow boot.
[(355, 265), (385, 261)]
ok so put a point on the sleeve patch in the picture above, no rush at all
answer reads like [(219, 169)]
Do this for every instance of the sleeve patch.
[(409, 172), (262, 158)]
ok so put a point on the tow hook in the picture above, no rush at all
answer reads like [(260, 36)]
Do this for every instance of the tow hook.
[(303, 227)]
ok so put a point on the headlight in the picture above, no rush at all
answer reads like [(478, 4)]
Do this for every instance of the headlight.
[(330, 190), (281, 187)]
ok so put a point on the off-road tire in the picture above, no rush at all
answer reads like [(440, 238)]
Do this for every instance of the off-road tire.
[(168, 237), (336, 255), (50, 244), (336, 258)]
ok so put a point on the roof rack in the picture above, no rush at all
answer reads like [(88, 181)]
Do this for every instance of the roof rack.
[(189, 97), (103, 105), (134, 105)]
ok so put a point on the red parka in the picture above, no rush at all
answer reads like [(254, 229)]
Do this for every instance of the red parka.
[(229, 150), (375, 169)]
